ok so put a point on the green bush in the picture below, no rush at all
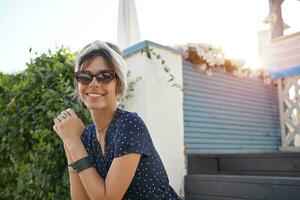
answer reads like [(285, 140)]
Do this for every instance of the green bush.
[(33, 163)]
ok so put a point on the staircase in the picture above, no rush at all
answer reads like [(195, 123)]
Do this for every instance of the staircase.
[(271, 176)]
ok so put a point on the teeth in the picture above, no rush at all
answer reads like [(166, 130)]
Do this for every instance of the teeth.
[(94, 95)]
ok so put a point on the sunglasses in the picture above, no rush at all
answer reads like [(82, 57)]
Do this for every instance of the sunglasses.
[(86, 77)]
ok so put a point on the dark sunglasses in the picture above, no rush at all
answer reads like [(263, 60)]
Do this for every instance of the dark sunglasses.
[(86, 77)]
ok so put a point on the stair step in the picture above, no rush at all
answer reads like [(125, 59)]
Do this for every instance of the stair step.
[(263, 164), (225, 187)]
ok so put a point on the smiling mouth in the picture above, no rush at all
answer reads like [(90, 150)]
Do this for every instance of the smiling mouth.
[(94, 94)]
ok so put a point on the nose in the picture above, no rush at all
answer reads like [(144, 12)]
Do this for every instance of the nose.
[(94, 82)]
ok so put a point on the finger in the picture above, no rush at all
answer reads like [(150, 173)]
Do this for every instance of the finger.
[(71, 112), (60, 118), (55, 128), (65, 114), (56, 120)]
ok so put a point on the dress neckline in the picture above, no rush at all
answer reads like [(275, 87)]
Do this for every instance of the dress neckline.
[(103, 154)]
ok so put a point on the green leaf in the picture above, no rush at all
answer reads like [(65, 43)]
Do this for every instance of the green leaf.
[(171, 79), (167, 69)]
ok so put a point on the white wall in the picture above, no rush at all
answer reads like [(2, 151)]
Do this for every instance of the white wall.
[(283, 52), (161, 107)]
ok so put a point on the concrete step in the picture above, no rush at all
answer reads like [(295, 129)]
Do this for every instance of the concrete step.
[(237, 187), (260, 164)]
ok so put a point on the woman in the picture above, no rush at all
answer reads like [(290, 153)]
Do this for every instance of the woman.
[(113, 158)]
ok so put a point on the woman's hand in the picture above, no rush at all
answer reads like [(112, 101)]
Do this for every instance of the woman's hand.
[(68, 126)]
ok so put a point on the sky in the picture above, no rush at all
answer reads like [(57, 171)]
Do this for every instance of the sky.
[(45, 24)]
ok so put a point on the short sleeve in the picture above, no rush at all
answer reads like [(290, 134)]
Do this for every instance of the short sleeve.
[(133, 137)]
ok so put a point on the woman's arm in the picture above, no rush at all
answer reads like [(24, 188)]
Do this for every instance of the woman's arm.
[(122, 169), (118, 178), (76, 188)]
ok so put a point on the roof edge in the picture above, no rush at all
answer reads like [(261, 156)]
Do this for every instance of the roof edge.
[(141, 45), (283, 73)]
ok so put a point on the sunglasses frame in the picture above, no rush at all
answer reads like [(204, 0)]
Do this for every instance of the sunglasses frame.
[(94, 75)]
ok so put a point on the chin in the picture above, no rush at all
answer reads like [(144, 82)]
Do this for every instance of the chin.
[(96, 107)]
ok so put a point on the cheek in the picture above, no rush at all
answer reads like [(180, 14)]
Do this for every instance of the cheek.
[(80, 90), (113, 88)]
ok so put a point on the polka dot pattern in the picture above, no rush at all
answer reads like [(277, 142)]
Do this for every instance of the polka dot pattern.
[(127, 134)]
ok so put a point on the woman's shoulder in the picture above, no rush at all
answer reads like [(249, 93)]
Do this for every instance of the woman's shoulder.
[(130, 119), (132, 135), (126, 115)]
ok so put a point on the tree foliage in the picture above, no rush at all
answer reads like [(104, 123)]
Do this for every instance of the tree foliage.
[(33, 163)]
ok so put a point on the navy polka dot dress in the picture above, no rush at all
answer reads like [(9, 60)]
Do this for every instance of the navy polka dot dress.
[(126, 134)]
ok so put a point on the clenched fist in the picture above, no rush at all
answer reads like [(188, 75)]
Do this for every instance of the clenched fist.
[(68, 126)]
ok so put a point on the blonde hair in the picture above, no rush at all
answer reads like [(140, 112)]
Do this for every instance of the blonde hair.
[(112, 55)]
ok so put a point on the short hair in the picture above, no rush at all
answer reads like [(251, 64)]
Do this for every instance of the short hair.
[(89, 53)]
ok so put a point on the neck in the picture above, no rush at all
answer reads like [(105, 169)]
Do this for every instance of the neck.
[(102, 118)]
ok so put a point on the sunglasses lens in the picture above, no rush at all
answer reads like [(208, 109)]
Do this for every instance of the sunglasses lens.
[(86, 78), (83, 78), (105, 77)]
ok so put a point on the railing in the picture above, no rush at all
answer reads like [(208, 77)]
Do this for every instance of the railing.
[(289, 108), (283, 55)]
